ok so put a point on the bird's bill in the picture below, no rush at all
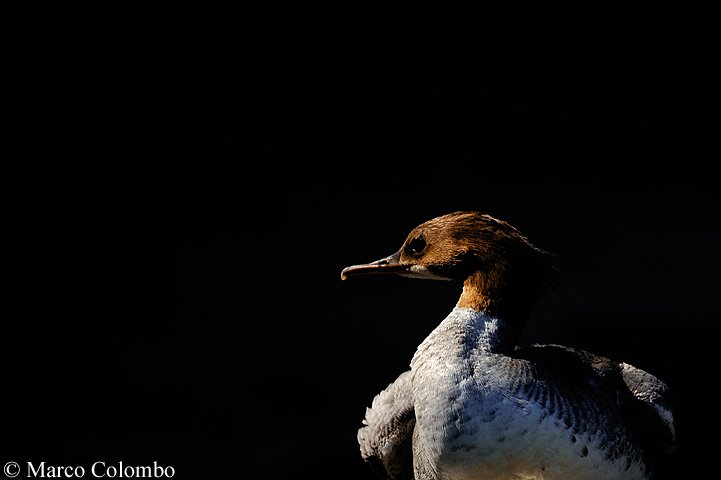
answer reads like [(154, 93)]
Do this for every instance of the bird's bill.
[(384, 265)]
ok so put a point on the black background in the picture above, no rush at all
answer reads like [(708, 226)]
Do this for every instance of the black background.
[(181, 213)]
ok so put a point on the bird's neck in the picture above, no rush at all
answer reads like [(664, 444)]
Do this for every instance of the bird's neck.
[(478, 293), (489, 293)]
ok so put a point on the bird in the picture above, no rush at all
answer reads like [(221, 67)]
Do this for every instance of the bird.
[(475, 406)]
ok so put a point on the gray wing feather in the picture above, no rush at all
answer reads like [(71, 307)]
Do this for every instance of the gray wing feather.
[(386, 440), (647, 405), (659, 424)]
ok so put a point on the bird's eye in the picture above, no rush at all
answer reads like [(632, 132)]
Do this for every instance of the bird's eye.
[(416, 245)]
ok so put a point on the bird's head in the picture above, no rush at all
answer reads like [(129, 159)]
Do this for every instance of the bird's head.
[(502, 273)]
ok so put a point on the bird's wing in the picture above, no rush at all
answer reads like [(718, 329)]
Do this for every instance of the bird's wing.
[(653, 416), (646, 404), (386, 440)]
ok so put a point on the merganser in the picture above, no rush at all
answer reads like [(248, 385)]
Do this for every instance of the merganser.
[(475, 406)]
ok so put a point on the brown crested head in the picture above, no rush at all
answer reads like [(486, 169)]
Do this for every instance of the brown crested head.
[(502, 273)]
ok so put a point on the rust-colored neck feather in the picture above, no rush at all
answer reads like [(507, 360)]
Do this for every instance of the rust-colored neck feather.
[(477, 294), (501, 293)]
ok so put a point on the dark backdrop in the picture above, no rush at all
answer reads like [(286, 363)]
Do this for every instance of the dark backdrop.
[(181, 218)]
